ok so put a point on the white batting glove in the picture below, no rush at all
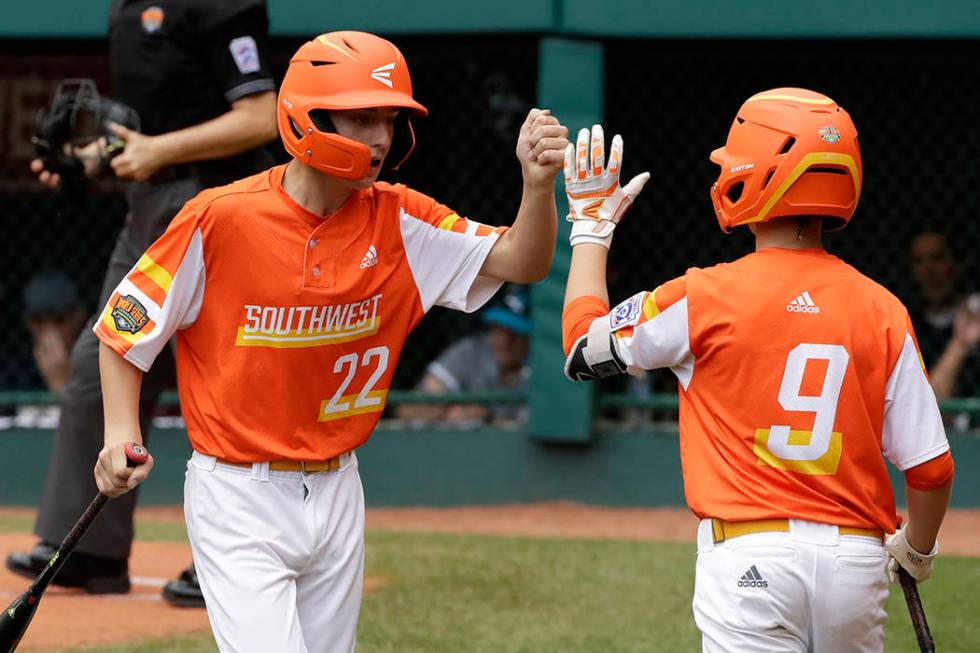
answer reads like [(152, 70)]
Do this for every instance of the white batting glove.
[(919, 565), (596, 202)]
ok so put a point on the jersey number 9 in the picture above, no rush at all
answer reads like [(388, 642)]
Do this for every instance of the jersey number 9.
[(807, 452)]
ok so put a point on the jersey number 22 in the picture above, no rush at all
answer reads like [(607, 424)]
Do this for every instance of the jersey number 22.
[(368, 400)]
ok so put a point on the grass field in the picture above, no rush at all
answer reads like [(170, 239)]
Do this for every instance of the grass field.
[(455, 593)]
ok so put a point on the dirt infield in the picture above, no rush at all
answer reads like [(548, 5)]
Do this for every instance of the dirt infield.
[(70, 617)]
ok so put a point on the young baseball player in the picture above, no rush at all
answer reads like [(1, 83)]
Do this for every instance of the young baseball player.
[(796, 373), (291, 294)]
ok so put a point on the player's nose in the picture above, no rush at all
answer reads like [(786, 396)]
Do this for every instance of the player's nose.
[(381, 135)]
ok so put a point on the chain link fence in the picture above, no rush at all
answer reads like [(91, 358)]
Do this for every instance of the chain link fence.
[(673, 101)]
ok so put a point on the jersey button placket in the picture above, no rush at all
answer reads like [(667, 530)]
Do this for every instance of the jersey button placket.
[(315, 269), (318, 273)]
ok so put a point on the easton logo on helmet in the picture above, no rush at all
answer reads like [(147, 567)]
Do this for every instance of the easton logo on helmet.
[(383, 74)]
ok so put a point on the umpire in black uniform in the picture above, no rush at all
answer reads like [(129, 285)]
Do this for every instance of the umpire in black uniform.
[(196, 73)]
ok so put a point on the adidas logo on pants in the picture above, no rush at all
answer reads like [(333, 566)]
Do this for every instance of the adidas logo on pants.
[(752, 578)]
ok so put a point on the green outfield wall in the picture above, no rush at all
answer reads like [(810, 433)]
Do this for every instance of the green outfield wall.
[(457, 468), (676, 18)]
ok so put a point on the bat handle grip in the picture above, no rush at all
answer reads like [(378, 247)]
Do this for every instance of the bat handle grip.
[(136, 454)]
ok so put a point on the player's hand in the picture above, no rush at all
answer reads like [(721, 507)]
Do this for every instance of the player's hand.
[(596, 201), (919, 565), (142, 156), (966, 326), (113, 476), (541, 146)]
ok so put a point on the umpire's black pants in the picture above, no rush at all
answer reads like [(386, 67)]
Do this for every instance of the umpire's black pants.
[(70, 483)]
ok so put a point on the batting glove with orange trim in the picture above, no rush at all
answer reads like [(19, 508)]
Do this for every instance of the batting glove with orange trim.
[(596, 201)]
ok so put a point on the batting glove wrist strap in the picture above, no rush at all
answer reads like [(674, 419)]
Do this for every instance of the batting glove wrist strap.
[(596, 201), (919, 565)]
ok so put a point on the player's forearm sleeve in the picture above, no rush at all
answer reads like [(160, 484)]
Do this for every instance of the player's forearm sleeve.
[(931, 474), (577, 317)]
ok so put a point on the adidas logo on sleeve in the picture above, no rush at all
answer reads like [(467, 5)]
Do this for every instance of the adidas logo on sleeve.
[(802, 304), (752, 578)]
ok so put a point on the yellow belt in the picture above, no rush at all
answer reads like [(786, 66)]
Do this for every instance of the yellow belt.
[(310, 467), (725, 530)]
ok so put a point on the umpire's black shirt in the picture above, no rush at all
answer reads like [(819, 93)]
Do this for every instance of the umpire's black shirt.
[(183, 62)]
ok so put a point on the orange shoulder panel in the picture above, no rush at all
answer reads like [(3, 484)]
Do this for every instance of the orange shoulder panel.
[(662, 298), (423, 207)]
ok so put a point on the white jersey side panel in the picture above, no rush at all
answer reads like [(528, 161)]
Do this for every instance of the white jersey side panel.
[(662, 341), (913, 431), (446, 264)]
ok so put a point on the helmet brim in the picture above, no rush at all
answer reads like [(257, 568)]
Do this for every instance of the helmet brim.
[(367, 100)]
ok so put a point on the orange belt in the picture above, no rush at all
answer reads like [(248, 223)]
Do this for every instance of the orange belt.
[(725, 530), (309, 467)]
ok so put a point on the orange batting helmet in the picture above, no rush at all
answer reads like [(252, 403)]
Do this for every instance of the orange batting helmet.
[(789, 152), (344, 70)]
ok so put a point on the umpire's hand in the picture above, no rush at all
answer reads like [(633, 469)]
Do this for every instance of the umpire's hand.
[(142, 157), (89, 155)]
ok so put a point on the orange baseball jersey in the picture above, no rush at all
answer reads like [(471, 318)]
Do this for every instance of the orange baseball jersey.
[(796, 373), (289, 325)]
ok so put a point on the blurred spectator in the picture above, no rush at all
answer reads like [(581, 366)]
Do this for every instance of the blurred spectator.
[(55, 316), (947, 325), (494, 359)]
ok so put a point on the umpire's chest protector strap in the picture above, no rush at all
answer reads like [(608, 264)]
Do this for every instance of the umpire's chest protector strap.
[(594, 355)]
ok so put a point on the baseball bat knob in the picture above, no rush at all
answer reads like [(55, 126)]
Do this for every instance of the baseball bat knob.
[(136, 454)]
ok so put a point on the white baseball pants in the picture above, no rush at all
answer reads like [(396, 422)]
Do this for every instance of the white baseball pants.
[(279, 555), (807, 591)]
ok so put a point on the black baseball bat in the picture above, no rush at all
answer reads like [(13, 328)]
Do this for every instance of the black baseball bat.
[(18, 615), (916, 611)]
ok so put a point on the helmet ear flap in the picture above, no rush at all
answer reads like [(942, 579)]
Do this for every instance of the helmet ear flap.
[(319, 145)]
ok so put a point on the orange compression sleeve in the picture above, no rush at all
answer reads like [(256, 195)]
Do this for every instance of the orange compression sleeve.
[(577, 317), (931, 474)]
